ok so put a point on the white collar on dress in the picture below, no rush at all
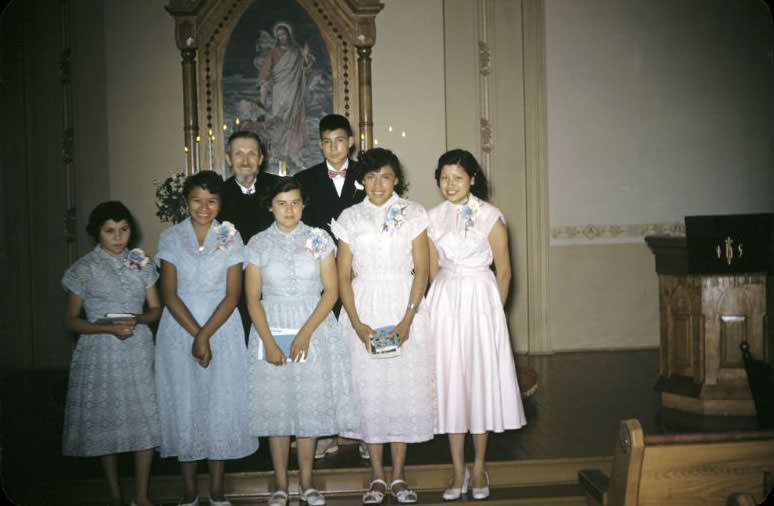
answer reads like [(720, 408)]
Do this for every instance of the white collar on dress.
[(390, 201)]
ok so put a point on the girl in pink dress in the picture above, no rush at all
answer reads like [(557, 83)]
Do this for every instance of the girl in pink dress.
[(475, 373)]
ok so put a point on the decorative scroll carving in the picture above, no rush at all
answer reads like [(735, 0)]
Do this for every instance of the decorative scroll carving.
[(485, 86), (486, 136), (484, 58)]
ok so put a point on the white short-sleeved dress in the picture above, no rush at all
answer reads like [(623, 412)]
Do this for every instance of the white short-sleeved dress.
[(308, 399), (111, 394), (395, 395), (203, 410), (476, 376)]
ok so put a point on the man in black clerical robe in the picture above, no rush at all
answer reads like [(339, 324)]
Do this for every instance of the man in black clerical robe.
[(242, 199)]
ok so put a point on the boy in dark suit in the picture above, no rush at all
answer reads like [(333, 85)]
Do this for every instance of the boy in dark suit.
[(331, 184), (331, 188)]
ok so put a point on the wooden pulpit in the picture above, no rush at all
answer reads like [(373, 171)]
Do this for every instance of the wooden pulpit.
[(715, 290)]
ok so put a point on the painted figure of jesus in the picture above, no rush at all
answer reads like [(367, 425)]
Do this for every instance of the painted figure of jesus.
[(283, 72)]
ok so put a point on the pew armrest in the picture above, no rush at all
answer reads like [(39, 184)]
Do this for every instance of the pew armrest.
[(595, 485), (741, 500)]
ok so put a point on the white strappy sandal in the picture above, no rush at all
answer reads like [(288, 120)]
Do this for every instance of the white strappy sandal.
[(312, 497), (278, 498), (404, 495), (373, 496)]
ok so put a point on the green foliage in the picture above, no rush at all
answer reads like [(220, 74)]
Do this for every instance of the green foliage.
[(170, 202)]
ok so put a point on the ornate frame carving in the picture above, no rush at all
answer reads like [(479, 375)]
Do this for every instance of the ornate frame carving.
[(203, 28)]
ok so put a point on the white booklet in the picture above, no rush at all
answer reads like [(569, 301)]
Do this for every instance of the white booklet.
[(111, 318), (283, 336)]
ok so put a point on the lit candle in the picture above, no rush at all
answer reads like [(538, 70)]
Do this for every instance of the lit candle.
[(236, 121), (185, 159), (283, 168), (210, 138), (197, 158)]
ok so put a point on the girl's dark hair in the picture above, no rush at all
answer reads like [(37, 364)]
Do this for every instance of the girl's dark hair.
[(468, 162), (111, 210), (285, 184), (376, 158), (206, 180)]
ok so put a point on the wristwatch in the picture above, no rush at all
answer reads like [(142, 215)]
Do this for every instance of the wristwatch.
[(411, 307)]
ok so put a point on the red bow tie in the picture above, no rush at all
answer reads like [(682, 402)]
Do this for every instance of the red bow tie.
[(333, 173)]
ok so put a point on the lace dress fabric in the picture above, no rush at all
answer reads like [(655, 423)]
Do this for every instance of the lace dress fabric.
[(111, 394), (308, 399), (203, 410), (477, 386), (395, 396)]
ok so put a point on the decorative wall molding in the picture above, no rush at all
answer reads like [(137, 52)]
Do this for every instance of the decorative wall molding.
[(535, 160), (635, 230), (485, 84)]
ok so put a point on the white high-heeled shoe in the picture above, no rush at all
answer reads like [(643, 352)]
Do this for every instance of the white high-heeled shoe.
[(480, 493), (454, 493)]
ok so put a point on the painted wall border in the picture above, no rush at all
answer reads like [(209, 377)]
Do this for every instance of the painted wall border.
[(611, 233)]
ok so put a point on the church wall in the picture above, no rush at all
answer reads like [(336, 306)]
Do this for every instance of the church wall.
[(652, 115), (144, 106), (656, 110), (408, 84)]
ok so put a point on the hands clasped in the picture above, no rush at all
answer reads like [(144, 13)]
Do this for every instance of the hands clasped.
[(123, 329), (201, 350)]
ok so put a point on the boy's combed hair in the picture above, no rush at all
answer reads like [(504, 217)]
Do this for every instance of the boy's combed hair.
[(468, 162), (376, 158), (206, 180), (111, 210), (334, 122)]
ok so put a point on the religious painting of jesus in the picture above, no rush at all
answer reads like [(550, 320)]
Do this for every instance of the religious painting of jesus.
[(277, 82)]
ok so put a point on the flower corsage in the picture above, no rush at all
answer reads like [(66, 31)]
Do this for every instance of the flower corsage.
[(468, 211), (394, 218), (136, 259), (317, 242), (224, 235)]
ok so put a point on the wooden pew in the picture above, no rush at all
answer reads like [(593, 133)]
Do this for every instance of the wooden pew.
[(682, 469)]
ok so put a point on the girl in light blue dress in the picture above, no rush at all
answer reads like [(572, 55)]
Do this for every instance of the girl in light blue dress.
[(111, 396), (289, 266), (200, 352)]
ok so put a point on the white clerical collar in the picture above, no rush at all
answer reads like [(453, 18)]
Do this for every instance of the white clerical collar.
[(247, 191), (345, 166)]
